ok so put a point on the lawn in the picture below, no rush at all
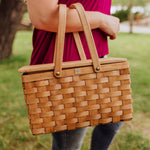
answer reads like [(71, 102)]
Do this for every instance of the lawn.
[(14, 126)]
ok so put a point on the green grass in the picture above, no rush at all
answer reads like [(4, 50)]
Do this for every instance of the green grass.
[(14, 126), (135, 48)]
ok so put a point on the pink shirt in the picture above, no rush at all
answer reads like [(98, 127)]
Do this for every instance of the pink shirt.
[(43, 41)]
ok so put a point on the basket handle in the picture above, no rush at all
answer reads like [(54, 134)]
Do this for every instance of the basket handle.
[(60, 37), (58, 54), (88, 35), (78, 44)]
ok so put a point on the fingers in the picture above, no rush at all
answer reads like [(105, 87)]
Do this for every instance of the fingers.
[(112, 38)]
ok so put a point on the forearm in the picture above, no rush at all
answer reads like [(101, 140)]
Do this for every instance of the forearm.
[(44, 15), (48, 19), (74, 24)]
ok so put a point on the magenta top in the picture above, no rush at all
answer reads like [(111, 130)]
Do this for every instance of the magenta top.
[(43, 41)]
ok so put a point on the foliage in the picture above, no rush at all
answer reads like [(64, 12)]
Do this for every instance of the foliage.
[(122, 14), (126, 2), (15, 133)]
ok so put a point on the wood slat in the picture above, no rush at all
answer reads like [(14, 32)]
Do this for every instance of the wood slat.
[(71, 72), (46, 67)]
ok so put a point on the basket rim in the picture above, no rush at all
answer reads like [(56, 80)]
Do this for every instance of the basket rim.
[(69, 64)]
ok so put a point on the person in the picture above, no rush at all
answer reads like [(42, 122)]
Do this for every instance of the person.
[(44, 17)]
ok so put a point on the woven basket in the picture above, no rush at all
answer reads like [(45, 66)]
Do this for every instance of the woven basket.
[(69, 95)]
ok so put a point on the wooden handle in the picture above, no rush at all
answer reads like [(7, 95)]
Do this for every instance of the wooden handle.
[(88, 35), (79, 45), (60, 38), (77, 41)]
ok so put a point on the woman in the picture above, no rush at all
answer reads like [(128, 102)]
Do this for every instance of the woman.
[(44, 17)]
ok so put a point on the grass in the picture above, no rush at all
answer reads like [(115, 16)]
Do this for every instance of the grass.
[(14, 127)]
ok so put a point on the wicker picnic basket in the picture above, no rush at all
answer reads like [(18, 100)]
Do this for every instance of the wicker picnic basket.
[(69, 95)]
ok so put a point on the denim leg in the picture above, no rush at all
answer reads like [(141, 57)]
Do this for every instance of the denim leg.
[(103, 135), (68, 140)]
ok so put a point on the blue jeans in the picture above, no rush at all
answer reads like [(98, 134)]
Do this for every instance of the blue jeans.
[(102, 137)]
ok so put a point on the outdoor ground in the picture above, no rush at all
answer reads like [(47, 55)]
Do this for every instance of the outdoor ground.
[(14, 126)]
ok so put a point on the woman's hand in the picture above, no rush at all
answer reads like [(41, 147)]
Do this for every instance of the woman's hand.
[(110, 25)]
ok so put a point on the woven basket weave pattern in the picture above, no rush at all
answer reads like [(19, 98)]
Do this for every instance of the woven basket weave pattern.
[(78, 99)]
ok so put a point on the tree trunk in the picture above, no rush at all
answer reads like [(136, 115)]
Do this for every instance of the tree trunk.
[(131, 16), (11, 13)]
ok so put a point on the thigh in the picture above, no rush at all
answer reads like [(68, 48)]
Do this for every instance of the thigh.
[(68, 140)]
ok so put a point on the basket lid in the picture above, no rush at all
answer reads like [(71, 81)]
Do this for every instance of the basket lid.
[(69, 64)]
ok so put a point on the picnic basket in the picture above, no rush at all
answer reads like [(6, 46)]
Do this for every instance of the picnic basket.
[(68, 95)]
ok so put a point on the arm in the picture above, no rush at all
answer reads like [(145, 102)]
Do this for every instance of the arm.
[(44, 15)]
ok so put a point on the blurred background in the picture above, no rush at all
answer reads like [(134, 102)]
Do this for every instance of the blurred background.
[(132, 43)]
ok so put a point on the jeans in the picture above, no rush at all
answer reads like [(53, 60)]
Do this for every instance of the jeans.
[(102, 137)]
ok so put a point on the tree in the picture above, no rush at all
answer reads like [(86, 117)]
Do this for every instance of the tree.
[(11, 13), (127, 2), (131, 16), (130, 4)]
